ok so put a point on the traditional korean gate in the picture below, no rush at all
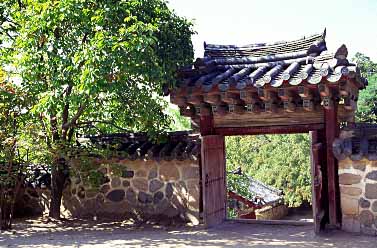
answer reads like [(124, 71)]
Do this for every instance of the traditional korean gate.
[(319, 182), (213, 176)]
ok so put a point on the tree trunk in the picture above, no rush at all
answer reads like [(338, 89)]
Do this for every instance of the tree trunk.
[(58, 178), (5, 211)]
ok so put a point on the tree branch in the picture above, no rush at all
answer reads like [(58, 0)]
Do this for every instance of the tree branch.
[(75, 117), (90, 123), (65, 113)]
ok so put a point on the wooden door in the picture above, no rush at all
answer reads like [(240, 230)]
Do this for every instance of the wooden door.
[(318, 172), (213, 179)]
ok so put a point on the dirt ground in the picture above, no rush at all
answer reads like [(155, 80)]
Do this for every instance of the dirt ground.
[(90, 234)]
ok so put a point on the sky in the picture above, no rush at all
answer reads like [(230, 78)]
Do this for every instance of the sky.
[(241, 22)]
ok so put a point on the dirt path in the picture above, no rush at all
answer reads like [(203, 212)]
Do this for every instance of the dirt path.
[(227, 235)]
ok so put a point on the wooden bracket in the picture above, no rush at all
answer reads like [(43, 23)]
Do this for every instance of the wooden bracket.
[(195, 100), (289, 106), (212, 99), (266, 95), (187, 111), (304, 92), (229, 98), (307, 104), (324, 90), (270, 107), (327, 102), (253, 107)]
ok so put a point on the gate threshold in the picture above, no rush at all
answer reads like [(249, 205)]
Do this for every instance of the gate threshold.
[(273, 222)]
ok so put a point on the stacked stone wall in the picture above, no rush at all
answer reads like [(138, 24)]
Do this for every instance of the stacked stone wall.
[(358, 190), (146, 188)]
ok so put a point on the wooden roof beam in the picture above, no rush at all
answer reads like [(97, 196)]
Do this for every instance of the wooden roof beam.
[(213, 99), (219, 110), (236, 109), (230, 98)]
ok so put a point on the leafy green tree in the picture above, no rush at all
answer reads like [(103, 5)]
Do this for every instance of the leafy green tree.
[(282, 161), (366, 106), (14, 147), (93, 67), (179, 123)]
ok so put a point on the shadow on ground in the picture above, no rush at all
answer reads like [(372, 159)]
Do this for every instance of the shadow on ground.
[(90, 234)]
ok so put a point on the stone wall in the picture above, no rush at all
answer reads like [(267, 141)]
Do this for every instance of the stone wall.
[(147, 188), (358, 190)]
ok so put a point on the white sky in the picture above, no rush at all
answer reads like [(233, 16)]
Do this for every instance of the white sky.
[(241, 22)]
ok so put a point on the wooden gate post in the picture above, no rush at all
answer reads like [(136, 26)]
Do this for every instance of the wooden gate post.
[(331, 132), (319, 181), (213, 179)]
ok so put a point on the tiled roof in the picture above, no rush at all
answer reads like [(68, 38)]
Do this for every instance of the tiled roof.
[(259, 65), (357, 142), (178, 145)]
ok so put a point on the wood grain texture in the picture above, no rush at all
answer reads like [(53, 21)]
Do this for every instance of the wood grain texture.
[(213, 178)]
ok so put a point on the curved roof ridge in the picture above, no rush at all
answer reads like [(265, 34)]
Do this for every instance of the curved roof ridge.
[(257, 49), (317, 36)]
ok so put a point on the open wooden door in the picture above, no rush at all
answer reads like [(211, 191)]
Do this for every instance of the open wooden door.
[(213, 179), (319, 185)]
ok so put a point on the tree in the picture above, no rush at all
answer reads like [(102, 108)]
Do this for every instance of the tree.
[(366, 106), (94, 67), (13, 147)]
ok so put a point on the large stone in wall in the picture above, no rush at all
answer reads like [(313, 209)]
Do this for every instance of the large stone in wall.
[(158, 196), (116, 195), (189, 172), (104, 188), (169, 190), (353, 191), (350, 224), (366, 218), (144, 198), (345, 164), (155, 185), (141, 173), (152, 173), (350, 206), (131, 196), (126, 183), (349, 178), (140, 184), (371, 191), (359, 165), (115, 182), (169, 172), (372, 175), (128, 173), (374, 207), (364, 203)]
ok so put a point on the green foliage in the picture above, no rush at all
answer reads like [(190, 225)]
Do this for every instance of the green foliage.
[(179, 123), (366, 106), (14, 148), (98, 65), (91, 67), (282, 161), (240, 185)]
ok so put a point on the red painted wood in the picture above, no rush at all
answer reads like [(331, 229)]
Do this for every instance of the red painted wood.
[(331, 132), (318, 165), (229, 131), (213, 179), (245, 201), (242, 199), (206, 125)]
